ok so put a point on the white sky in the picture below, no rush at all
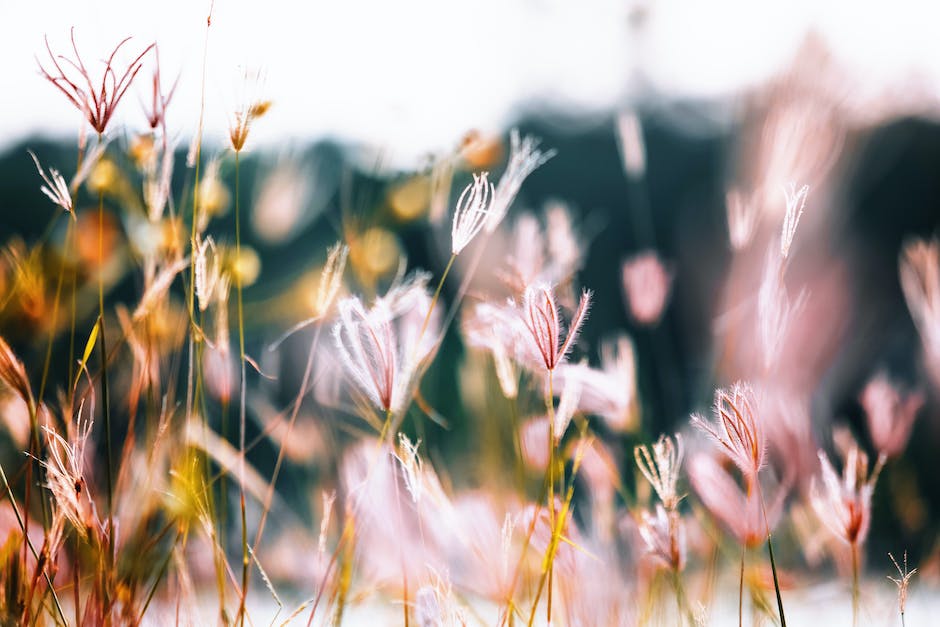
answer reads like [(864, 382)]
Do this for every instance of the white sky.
[(415, 75)]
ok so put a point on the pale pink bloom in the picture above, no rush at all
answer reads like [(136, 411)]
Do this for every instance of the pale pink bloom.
[(844, 505), (471, 212), (484, 544), (493, 328), (740, 511), (890, 417), (220, 371), (790, 437), (567, 407), (632, 148), (543, 322), (524, 158), (738, 429), (436, 606), (533, 436), (608, 391), (15, 415), (388, 534), (661, 468), (796, 200), (775, 311), (920, 280), (743, 215), (664, 537), (552, 254), (646, 285), (380, 347)]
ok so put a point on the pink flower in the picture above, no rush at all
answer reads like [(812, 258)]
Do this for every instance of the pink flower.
[(890, 417), (664, 536), (97, 103), (920, 281), (740, 511), (524, 158), (608, 391), (646, 284), (543, 322), (844, 506), (381, 347), (738, 430)]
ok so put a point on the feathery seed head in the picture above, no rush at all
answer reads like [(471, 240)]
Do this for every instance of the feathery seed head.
[(543, 322), (471, 212), (524, 158), (737, 428), (96, 102), (796, 200), (661, 468)]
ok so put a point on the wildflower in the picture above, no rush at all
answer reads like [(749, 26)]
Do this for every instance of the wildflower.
[(775, 311), (920, 280), (250, 108), (411, 465), (738, 431), (890, 417), (471, 212), (55, 187), (796, 200), (524, 158), (646, 284), (844, 506), (903, 582), (379, 347), (211, 280), (533, 438), (491, 328), (97, 104), (66, 477), (661, 468), (632, 149), (743, 214), (567, 406), (156, 115), (13, 373), (740, 511), (541, 319), (552, 254), (608, 391), (331, 278), (664, 536)]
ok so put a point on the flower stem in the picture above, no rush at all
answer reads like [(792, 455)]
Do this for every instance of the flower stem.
[(105, 395), (741, 590), (241, 395), (854, 584), (773, 568)]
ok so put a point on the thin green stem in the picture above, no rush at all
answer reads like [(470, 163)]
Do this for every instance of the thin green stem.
[(241, 398)]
